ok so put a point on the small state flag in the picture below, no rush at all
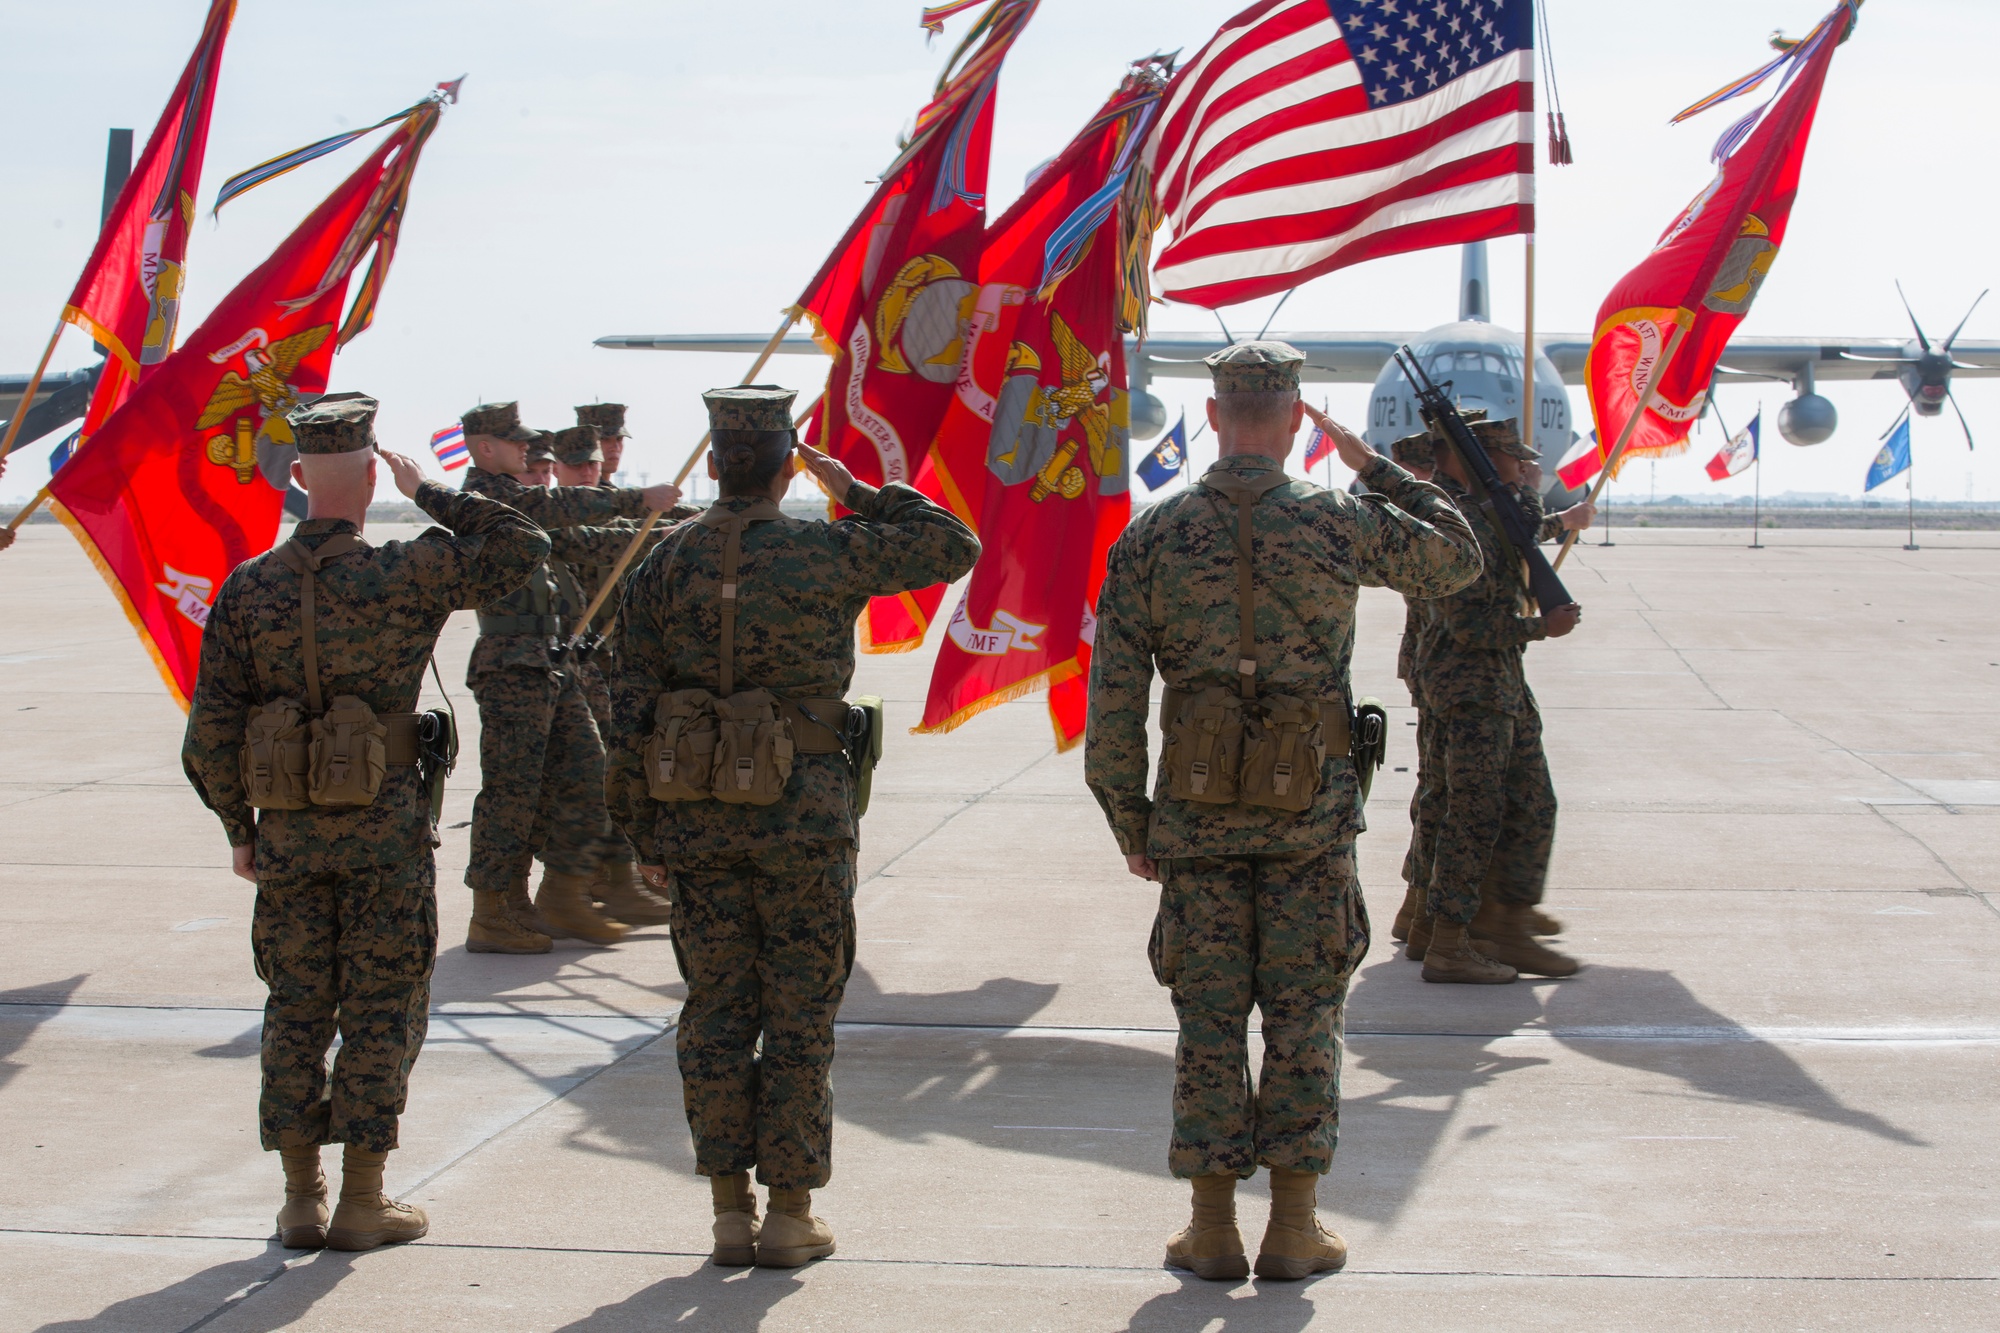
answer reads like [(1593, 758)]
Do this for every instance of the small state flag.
[(1894, 459), (1581, 463), (1168, 457), (1739, 453), (63, 452), (1318, 446), (449, 446)]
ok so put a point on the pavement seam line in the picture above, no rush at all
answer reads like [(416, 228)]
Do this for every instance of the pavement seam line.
[(854, 1261), (939, 827)]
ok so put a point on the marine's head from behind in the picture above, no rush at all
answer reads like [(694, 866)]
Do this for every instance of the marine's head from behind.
[(579, 456), (336, 465), (609, 418), (496, 438), (751, 440), (1256, 408)]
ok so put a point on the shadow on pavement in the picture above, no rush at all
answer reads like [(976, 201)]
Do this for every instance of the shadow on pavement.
[(197, 1300), (707, 1299), (1735, 1066), (18, 1008), (1266, 1307)]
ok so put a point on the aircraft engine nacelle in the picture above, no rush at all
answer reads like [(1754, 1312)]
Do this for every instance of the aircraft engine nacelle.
[(1927, 392), (1149, 415), (1808, 419)]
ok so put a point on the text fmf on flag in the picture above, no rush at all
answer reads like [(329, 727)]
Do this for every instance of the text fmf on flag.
[(1893, 459), (1740, 451), (449, 446), (1167, 458), (1312, 134)]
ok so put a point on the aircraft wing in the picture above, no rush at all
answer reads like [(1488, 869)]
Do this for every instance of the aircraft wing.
[(1356, 358), (59, 400)]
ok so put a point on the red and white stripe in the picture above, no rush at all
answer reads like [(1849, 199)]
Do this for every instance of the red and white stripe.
[(1272, 167)]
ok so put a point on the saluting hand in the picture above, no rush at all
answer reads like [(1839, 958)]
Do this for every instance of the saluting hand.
[(408, 474), (1354, 451), (829, 471), (662, 497)]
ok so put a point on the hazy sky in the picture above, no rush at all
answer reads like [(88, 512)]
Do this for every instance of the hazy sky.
[(656, 166)]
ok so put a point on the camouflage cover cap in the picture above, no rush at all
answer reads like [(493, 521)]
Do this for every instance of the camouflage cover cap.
[(609, 418), (337, 423), (1414, 450), (1256, 367), (750, 407), (577, 445), (1503, 437), (500, 419), (541, 446)]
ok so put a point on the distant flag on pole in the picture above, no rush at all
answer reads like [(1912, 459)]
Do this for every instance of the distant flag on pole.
[(1318, 447), (1584, 461), (1739, 453), (449, 446), (1894, 459), (63, 452), (1167, 459)]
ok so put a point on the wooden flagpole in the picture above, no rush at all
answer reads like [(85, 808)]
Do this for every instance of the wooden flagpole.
[(20, 415), (1631, 424)]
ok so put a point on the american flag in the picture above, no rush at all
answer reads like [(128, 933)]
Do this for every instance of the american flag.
[(1312, 134), (449, 446)]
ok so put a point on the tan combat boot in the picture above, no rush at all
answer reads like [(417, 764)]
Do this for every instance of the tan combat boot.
[(1420, 935), (302, 1221), (1541, 923), (1406, 915), (1210, 1246), (1507, 935), (366, 1216), (736, 1224), (626, 899), (496, 930), (563, 900), (518, 905), (792, 1235), (1451, 957), (1295, 1245)]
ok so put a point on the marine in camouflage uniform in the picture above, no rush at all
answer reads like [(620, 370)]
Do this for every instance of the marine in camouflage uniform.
[(541, 758), (1491, 835), (1258, 907), (763, 921), (344, 932), (578, 453)]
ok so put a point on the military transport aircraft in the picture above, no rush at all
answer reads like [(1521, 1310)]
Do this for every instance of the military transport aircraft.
[(1483, 363)]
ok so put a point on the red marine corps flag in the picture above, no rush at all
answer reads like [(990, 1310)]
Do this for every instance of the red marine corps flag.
[(1034, 450), (1661, 331), (893, 300), (187, 479)]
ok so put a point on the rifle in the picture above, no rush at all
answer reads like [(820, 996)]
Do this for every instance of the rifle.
[(1441, 415)]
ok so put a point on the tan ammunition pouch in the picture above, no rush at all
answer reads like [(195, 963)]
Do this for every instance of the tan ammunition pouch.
[(1226, 746), (735, 746), (294, 756)]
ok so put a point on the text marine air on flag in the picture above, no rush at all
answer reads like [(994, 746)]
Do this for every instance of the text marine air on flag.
[(1313, 134)]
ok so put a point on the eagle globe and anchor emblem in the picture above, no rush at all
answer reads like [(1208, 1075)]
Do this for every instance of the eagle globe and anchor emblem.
[(260, 438)]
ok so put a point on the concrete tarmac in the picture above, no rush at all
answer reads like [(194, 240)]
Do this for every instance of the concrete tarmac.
[(1767, 1102)]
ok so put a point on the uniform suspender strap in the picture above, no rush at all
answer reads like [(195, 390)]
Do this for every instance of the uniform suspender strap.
[(1245, 494), (732, 523), (305, 560)]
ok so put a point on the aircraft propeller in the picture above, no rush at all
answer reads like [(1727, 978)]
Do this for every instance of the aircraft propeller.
[(1927, 377)]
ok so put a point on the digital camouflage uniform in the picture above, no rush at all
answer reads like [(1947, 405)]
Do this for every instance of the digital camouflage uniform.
[(1493, 826), (345, 926), (763, 921), (1257, 906), (541, 759)]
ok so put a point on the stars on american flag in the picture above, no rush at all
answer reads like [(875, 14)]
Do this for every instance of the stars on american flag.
[(1407, 48)]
